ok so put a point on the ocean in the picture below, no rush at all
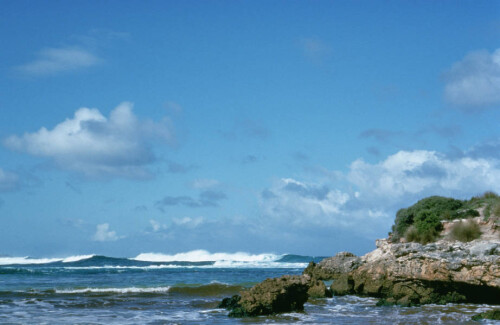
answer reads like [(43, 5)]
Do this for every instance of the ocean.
[(180, 289)]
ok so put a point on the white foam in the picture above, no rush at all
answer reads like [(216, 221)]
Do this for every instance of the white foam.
[(29, 260), (258, 264), (116, 290), (122, 267), (26, 260), (77, 258), (204, 256), (220, 265)]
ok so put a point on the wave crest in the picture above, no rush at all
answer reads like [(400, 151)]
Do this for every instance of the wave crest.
[(204, 256), (28, 260), (115, 290)]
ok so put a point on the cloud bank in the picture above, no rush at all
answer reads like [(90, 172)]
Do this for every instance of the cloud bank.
[(474, 82), (366, 197), (96, 146)]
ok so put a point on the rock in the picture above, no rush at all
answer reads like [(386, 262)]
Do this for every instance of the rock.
[(440, 272), (411, 273), (277, 295), (491, 314), (318, 289), (230, 303), (332, 267), (342, 286)]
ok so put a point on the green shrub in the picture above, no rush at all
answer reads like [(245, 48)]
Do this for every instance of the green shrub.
[(465, 231), (489, 195), (469, 213), (425, 228), (442, 207), (411, 234), (496, 210), (487, 201)]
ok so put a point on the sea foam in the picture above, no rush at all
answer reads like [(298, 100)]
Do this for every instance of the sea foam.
[(29, 260), (115, 290), (204, 256)]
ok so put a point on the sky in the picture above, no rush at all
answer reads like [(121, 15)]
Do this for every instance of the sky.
[(300, 127)]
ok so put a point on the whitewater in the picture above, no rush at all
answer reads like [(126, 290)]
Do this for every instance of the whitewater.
[(181, 288)]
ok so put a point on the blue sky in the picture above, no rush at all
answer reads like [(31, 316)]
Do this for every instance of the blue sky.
[(259, 126)]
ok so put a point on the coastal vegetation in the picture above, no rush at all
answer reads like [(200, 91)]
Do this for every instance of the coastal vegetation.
[(422, 222), (465, 231)]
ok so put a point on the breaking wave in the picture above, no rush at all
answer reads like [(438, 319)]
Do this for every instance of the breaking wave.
[(203, 256), (115, 290), (151, 261), (29, 260)]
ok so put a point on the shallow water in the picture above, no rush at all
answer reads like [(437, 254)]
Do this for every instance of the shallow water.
[(101, 290)]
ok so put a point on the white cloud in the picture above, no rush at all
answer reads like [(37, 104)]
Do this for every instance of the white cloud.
[(474, 82), (156, 225), (300, 204), (366, 198), (91, 144), (8, 181), (55, 60), (422, 173), (188, 222), (104, 234)]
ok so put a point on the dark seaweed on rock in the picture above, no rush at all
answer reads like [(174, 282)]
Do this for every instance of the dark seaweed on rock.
[(276, 295), (491, 314)]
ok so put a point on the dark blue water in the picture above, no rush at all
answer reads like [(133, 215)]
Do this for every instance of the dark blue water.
[(161, 290)]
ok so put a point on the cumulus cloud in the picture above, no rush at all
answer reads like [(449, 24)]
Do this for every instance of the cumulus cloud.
[(423, 173), (474, 82), (8, 181), (56, 60), (366, 197), (299, 203), (104, 234), (94, 145)]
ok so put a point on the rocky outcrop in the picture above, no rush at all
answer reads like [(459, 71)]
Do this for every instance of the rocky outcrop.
[(343, 285), (277, 295), (317, 288), (411, 273), (333, 267)]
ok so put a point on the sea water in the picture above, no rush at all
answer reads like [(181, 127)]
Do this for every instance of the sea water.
[(180, 289)]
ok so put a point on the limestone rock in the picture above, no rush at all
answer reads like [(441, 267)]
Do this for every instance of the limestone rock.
[(332, 267), (440, 272), (412, 273)]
